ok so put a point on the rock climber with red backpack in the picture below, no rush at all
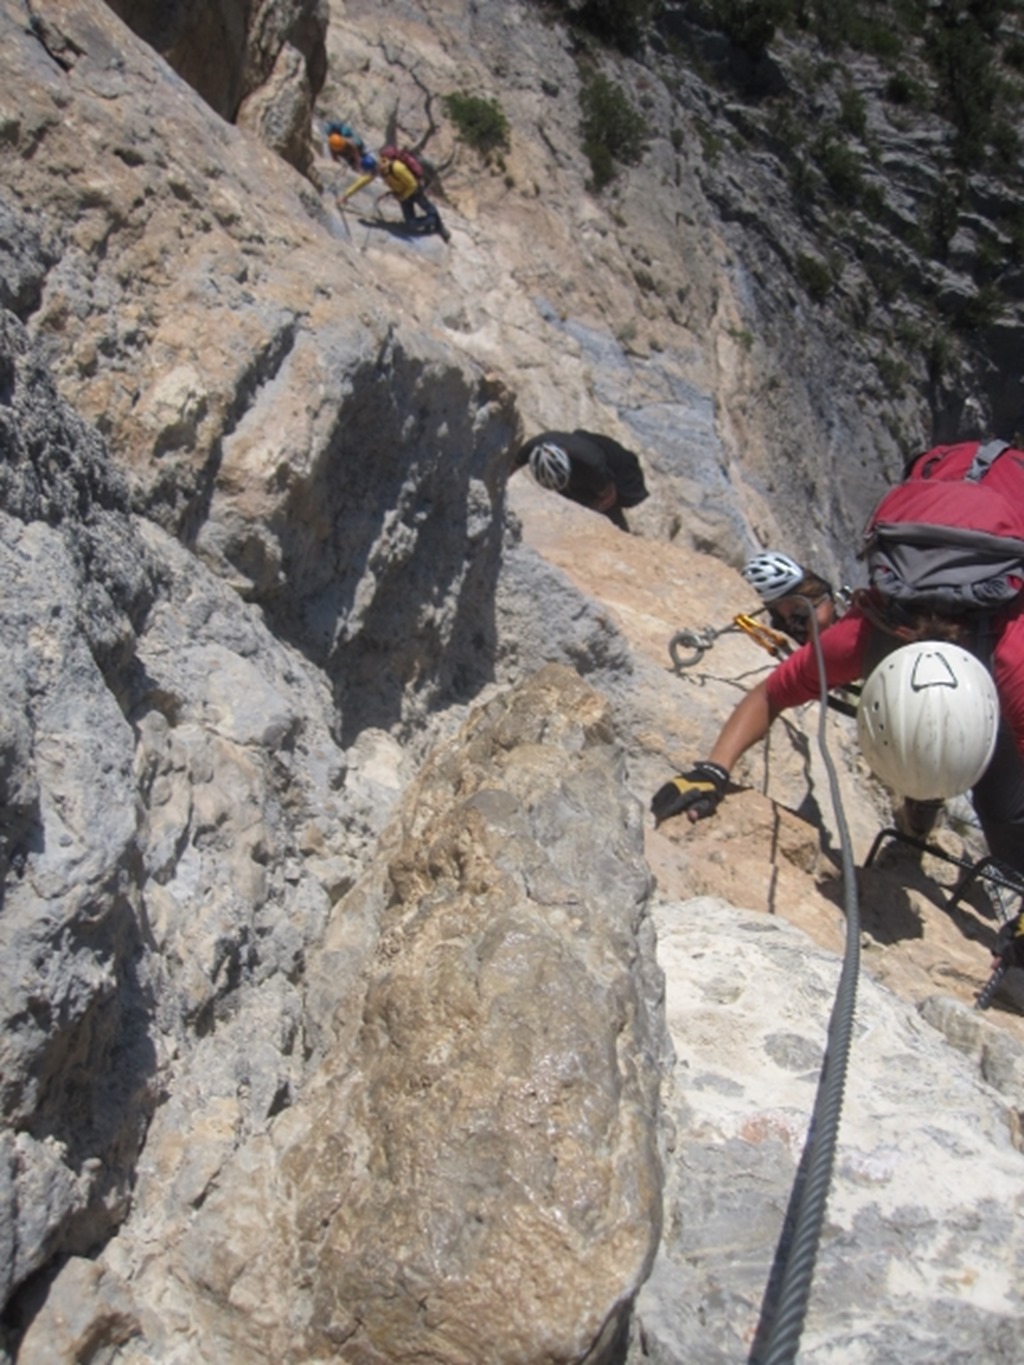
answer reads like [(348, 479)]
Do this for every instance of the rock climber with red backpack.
[(945, 556), (407, 187)]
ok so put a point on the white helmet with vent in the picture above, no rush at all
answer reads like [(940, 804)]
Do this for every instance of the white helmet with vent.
[(549, 465), (772, 574), (927, 720)]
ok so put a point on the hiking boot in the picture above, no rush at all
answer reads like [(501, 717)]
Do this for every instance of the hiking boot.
[(917, 819)]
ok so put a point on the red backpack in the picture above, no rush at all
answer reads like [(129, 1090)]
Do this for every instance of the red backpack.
[(406, 157), (951, 535)]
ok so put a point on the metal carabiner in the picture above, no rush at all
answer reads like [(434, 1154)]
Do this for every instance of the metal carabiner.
[(772, 640), (698, 642)]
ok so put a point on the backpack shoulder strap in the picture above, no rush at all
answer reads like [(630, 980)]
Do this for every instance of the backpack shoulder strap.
[(984, 458), (982, 635)]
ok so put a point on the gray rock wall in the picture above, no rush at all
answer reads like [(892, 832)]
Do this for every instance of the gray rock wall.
[(260, 65), (179, 814), (309, 1048), (150, 725), (474, 1157)]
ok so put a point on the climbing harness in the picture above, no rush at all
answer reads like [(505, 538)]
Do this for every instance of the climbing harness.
[(698, 642)]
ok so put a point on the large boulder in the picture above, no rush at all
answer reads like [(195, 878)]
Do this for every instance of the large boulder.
[(475, 1157)]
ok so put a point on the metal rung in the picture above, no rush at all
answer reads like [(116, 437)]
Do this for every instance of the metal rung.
[(988, 869), (921, 844)]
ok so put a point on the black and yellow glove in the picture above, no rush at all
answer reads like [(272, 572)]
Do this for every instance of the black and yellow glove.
[(1010, 942), (699, 791)]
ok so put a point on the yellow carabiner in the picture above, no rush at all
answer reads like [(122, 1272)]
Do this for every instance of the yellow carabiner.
[(772, 640)]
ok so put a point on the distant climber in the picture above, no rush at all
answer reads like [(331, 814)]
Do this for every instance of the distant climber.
[(588, 468), (344, 145), (409, 192)]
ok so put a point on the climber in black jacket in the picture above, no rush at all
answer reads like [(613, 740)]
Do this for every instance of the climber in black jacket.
[(588, 468)]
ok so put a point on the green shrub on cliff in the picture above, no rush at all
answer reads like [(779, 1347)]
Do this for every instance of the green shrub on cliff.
[(481, 122), (612, 130)]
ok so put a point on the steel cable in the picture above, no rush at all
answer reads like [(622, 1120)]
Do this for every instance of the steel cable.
[(782, 1320)]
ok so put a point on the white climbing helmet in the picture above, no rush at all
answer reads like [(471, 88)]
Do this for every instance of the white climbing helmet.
[(927, 720), (550, 466), (772, 574)]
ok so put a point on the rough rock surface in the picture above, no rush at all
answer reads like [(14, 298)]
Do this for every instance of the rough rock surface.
[(909, 1267), (774, 844), (475, 1158), (258, 65), (748, 997), (262, 910)]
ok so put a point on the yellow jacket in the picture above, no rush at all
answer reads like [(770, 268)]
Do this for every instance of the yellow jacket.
[(398, 178)]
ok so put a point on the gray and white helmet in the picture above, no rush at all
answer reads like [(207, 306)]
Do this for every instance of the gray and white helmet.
[(549, 465), (772, 575), (928, 719)]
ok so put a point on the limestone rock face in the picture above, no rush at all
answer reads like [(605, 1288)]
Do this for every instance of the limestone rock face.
[(279, 111), (260, 65), (475, 1158), (748, 998), (899, 1247), (266, 417), (149, 724), (331, 1005), (78, 582), (489, 1173)]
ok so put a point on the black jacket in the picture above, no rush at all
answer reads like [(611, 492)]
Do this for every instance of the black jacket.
[(595, 461)]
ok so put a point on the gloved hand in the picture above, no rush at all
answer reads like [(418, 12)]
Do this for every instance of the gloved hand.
[(1010, 942), (698, 791)]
